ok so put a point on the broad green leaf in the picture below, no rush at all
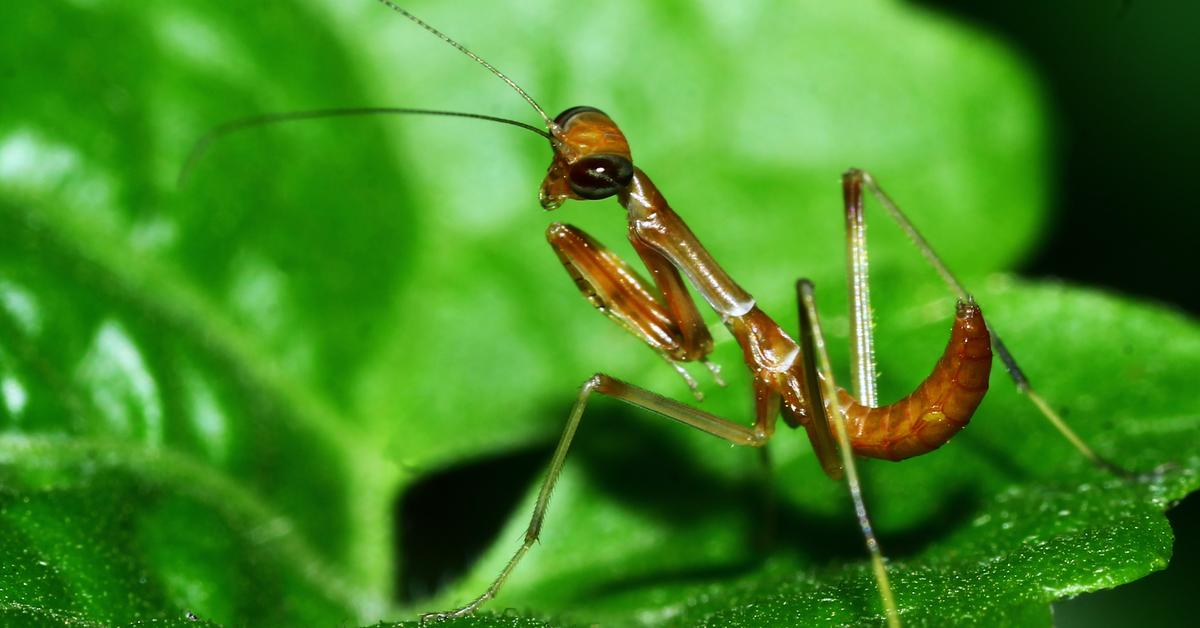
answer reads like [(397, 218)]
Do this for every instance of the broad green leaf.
[(212, 395)]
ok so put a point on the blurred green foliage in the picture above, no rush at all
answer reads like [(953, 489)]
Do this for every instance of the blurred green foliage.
[(213, 396)]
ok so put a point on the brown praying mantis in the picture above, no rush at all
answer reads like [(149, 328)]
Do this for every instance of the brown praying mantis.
[(791, 377)]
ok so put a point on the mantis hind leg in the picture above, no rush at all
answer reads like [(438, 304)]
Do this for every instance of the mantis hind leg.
[(853, 183)]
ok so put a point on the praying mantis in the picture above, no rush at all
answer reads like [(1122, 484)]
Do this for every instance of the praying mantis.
[(675, 330)]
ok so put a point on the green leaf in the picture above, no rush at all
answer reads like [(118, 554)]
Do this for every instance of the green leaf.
[(211, 396)]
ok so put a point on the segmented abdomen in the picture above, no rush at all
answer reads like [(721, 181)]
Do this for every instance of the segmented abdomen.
[(940, 407)]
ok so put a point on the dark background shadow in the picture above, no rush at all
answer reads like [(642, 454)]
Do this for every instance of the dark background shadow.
[(1123, 83), (1123, 80)]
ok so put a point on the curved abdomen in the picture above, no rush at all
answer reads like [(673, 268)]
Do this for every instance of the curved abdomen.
[(940, 407)]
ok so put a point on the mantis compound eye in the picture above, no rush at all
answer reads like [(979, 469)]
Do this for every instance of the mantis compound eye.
[(566, 115), (599, 176)]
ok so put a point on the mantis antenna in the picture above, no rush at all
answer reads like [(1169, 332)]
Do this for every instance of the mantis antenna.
[(463, 49), (233, 126)]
